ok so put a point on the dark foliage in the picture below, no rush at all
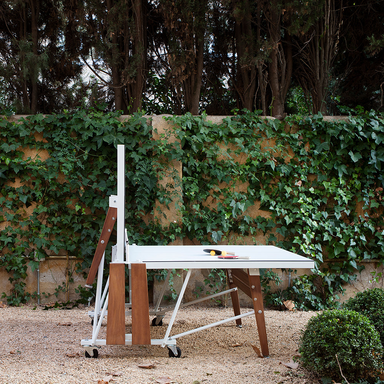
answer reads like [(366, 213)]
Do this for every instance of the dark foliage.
[(370, 303), (341, 338)]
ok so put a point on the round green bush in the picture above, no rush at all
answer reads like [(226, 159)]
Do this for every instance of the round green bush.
[(370, 303), (344, 333)]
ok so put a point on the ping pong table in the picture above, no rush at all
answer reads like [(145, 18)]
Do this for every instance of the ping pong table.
[(242, 269)]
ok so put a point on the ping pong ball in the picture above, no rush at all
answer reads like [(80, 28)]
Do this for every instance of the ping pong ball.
[(224, 253), (213, 253)]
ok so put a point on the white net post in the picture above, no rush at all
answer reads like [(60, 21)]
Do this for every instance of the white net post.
[(120, 204)]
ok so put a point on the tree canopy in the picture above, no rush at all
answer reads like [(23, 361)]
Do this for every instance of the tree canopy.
[(177, 56)]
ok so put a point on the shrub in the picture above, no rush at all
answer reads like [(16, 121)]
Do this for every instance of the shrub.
[(370, 303), (347, 334)]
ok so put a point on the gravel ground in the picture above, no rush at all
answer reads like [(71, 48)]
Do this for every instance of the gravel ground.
[(43, 346)]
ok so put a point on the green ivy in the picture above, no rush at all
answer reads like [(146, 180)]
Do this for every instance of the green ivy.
[(58, 204), (319, 183)]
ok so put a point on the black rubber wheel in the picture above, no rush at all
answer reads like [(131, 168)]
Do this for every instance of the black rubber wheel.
[(95, 354), (154, 324), (171, 354)]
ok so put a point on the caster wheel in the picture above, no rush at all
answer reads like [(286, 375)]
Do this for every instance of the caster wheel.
[(95, 354), (155, 324), (171, 354)]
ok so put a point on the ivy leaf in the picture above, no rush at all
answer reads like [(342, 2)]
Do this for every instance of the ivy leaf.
[(23, 198), (216, 236), (374, 204), (34, 265), (324, 146), (341, 168), (272, 164), (339, 248), (8, 147), (355, 156), (288, 219), (378, 138)]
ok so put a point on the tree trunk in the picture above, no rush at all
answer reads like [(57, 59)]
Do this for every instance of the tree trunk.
[(262, 74), (263, 82), (136, 88), (192, 85), (274, 81), (34, 67), (280, 68), (23, 64), (115, 60), (245, 47), (185, 24), (318, 54), (277, 108)]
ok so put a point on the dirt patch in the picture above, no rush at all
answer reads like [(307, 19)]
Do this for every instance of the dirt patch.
[(43, 346)]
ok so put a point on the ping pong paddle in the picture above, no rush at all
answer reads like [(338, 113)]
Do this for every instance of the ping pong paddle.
[(215, 252)]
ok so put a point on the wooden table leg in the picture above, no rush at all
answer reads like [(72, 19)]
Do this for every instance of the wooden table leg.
[(116, 305), (140, 305), (257, 300), (234, 297)]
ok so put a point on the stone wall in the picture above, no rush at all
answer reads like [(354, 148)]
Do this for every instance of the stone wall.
[(56, 278)]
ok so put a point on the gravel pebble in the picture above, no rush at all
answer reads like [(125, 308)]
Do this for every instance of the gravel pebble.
[(43, 346)]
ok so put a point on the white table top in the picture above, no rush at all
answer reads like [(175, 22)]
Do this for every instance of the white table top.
[(193, 257)]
